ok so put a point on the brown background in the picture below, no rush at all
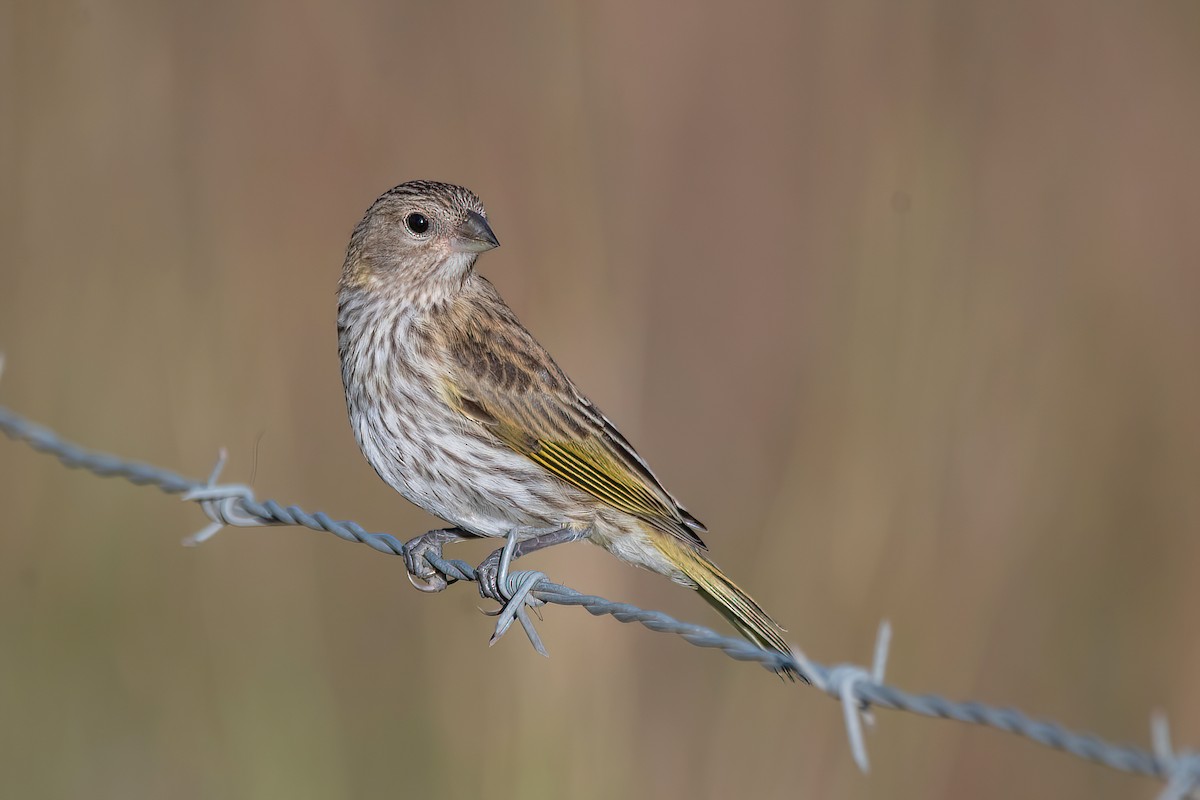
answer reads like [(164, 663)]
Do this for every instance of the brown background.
[(900, 298)]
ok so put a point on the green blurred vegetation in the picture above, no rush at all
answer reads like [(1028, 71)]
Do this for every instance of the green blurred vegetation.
[(901, 299)]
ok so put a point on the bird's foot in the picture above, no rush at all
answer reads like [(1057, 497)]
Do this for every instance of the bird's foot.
[(511, 590), (421, 574)]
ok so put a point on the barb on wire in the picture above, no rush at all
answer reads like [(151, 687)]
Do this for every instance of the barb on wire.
[(856, 688), (1182, 768), (843, 681), (222, 504)]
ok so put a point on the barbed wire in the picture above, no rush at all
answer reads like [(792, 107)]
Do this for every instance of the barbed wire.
[(857, 688)]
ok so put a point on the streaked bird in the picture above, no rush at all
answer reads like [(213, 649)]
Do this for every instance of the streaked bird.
[(464, 413)]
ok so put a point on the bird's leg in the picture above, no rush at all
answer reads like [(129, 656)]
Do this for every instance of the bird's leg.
[(493, 572), (492, 575), (421, 573)]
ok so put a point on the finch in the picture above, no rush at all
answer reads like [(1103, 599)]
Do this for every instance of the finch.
[(460, 410)]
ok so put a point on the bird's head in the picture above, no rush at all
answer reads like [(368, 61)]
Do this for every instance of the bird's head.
[(422, 236)]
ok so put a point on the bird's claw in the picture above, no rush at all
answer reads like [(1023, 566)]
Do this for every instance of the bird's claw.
[(431, 584), (495, 583), (487, 575), (421, 574)]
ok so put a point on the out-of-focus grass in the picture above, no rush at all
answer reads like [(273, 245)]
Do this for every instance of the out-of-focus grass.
[(900, 300)]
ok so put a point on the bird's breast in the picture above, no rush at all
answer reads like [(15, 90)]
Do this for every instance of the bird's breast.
[(430, 453)]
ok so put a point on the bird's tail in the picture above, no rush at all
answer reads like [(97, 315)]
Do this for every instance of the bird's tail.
[(731, 602)]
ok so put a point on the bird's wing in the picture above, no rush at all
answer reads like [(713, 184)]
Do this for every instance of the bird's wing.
[(505, 381)]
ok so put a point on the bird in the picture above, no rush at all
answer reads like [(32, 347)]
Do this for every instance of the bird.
[(462, 411)]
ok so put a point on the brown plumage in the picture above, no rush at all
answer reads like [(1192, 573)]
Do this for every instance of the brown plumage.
[(462, 411)]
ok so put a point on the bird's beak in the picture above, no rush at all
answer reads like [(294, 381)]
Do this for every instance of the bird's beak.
[(473, 235)]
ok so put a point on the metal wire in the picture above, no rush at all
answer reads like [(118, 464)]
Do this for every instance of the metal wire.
[(857, 688)]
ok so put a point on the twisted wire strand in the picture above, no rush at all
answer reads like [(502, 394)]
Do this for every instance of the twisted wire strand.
[(859, 689)]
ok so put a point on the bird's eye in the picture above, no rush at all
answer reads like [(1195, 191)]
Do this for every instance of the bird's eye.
[(417, 223)]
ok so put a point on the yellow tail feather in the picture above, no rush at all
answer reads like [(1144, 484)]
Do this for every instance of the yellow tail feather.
[(740, 609)]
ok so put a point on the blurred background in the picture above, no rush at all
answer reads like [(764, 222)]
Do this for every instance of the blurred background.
[(900, 299)]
